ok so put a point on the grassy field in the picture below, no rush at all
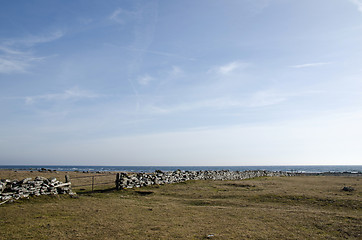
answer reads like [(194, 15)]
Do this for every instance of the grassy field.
[(312, 207)]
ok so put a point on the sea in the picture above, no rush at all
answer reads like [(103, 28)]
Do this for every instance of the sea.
[(146, 169)]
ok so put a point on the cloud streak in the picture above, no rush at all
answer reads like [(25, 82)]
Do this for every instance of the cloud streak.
[(257, 99), (265, 98), (121, 16), (13, 65), (230, 68), (306, 65), (160, 53), (13, 60), (73, 93), (34, 39), (144, 80), (176, 71)]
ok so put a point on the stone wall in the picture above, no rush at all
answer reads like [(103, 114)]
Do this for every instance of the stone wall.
[(13, 190), (158, 178)]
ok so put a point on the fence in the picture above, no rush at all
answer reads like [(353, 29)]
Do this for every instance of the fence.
[(124, 180), (78, 182)]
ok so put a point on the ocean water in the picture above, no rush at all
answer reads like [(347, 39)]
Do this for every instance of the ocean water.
[(304, 169)]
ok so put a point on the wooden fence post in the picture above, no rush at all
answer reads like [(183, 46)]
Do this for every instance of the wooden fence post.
[(117, 181), (67, 178), (92, 183)]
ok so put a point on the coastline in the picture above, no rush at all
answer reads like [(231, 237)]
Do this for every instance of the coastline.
[(298, 207), (148, 169)]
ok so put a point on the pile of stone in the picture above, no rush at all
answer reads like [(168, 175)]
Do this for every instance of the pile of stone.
[(125, 180), (15, 189)]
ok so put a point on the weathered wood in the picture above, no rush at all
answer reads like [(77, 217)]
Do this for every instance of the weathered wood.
[(67, 178), (92, 183), (117, 181), (63, 185), (4, 202)]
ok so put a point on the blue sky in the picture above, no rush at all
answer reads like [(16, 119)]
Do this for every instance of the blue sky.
[(246, 82)]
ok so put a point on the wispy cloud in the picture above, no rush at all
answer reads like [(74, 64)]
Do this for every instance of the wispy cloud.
[(32, 40), (173, 73), (160, 53), (257, 99), (144, 80), (306, 65), (8, 50), (73, 93), (358, 3), (16, 56), (176, 71), (13, 61), (265, 98), (253, 100), (10, 65), (85, 21), (230, 67), (216, 103), (258, 6), (121, 16)]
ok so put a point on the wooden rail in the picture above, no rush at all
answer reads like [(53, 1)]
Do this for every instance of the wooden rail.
[(92, 182)]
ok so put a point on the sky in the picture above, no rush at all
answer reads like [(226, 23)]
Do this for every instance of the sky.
[(181, 83)]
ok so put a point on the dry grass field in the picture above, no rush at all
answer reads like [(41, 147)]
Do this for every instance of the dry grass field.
[(312, 207)]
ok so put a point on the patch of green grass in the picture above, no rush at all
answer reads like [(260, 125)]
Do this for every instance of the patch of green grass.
[(198, 203), (313, 201)]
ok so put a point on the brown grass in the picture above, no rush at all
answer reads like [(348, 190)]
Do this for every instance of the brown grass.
[(262, 208)]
